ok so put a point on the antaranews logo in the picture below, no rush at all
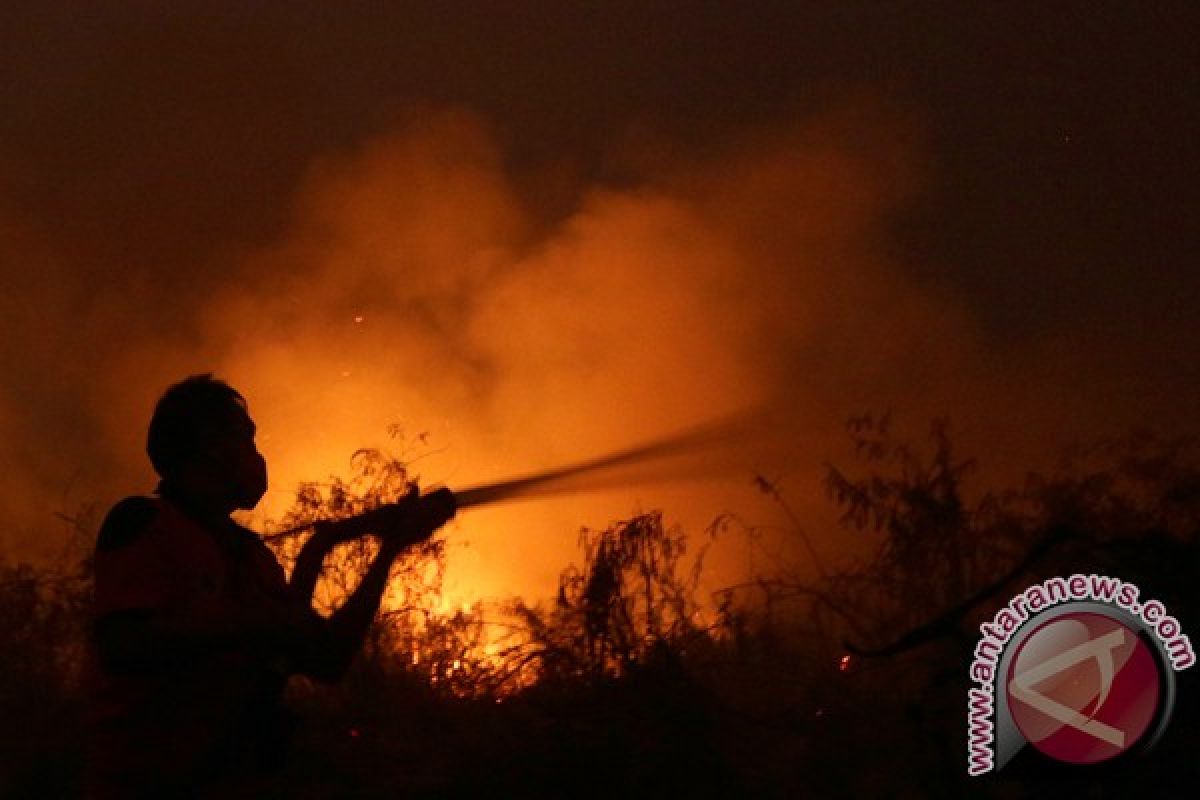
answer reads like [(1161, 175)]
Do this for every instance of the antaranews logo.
[(1076, 667)]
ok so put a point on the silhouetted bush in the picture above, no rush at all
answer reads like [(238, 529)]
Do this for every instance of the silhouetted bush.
[(847, 680)]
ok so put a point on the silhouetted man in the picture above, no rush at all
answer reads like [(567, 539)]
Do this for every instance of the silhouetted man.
[(196, 627)]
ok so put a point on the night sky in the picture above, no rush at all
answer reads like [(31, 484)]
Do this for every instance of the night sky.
[(981, 209)]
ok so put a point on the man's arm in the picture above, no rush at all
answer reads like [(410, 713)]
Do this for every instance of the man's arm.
[(325, 647), (135, 631)]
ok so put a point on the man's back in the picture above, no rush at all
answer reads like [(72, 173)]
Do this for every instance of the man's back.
[(177, 716)]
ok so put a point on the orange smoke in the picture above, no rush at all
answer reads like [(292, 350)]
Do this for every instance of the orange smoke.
[(419, 289)]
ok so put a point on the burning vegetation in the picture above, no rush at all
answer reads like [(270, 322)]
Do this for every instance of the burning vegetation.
[(632, 680)]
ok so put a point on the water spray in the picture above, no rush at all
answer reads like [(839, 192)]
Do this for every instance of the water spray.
[(602, 472)]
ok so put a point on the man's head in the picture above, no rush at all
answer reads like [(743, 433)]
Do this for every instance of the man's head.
[(201, 438)]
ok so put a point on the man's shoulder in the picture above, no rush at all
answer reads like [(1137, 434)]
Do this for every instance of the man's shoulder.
[(126, 522)]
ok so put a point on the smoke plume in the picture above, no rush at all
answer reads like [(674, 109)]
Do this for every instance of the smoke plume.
[(420, 296)]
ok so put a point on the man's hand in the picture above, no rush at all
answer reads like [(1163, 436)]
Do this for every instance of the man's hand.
[(419, 516)]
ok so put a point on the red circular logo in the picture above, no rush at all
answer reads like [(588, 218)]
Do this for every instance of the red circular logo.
[(1083, 687)]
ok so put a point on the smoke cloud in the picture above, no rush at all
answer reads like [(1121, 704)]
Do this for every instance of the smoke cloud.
[(419, 282), (417, 285)]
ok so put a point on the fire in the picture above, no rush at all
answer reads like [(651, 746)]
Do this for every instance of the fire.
[(504, 343)]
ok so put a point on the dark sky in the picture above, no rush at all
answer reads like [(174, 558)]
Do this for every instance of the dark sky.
[(145, 147), (1062, 135)]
